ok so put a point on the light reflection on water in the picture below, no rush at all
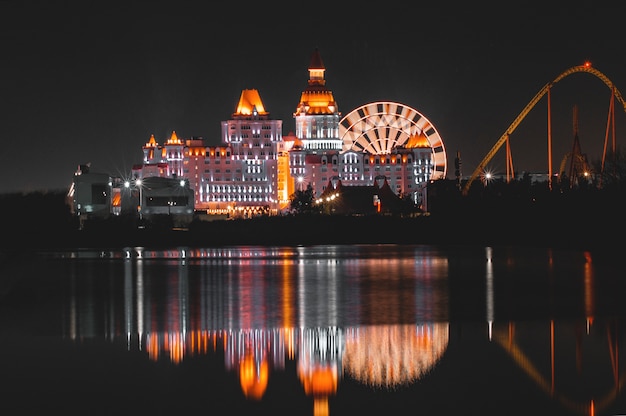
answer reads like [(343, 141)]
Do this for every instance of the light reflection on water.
[(388, 318)]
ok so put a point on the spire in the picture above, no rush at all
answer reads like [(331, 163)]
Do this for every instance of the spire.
[(152, 141), (316, 99), (174, 139), (316, 69), (316, 60)]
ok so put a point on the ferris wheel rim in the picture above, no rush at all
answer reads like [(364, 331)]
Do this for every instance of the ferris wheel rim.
[(369, 128)]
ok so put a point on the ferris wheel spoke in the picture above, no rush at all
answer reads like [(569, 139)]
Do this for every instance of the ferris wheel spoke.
[(379, 127)]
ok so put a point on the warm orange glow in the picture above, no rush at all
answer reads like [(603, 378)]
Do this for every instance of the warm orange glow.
[(316, 102), (253, 382), (152, 142), (249, 101), (174, 139), (152, 346), (320, 382), (116, 200), (392, 355), (320, 406), (587, 64), (589, 288), (177, 347), (417, 140), (196, 151)]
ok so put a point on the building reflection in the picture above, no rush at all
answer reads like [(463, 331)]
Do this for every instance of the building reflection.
[(380, 321)]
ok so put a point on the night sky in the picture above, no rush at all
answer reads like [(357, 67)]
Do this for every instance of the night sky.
[(89, 82)]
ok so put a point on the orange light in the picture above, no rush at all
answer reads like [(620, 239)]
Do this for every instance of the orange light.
[(587, 64)]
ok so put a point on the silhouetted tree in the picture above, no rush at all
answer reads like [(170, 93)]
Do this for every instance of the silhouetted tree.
[(613, 175), (302, 201)]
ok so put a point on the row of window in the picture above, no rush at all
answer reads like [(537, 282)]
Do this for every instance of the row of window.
[(236, 179), (237, 198), (233, 126), (238, 189), (356, 177), (216, 161), (255, 144), (237, 138)]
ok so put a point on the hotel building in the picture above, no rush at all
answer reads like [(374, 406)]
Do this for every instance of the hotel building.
[(256, 169)]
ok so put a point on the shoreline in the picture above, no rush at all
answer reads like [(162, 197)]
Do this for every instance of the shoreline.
[(320, 230)]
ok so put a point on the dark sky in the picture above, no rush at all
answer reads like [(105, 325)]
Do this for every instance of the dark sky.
[(91, 81)]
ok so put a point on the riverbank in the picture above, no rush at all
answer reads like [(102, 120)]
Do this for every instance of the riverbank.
[(316, 230), (44, 222)]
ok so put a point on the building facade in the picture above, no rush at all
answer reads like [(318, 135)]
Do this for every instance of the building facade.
[(255, 170)]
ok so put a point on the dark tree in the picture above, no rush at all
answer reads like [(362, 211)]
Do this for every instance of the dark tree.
[(302, 202)]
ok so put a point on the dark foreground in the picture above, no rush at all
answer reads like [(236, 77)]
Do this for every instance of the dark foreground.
[(598, 234), (44, 222)]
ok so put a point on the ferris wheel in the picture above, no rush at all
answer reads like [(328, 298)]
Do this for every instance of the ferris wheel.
[(379, 127)]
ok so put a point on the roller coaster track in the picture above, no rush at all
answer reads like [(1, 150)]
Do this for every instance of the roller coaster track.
[(581, 68)]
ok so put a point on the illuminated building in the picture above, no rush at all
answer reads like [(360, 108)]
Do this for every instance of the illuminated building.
[(244, 176), (89, 195), (255, 170)]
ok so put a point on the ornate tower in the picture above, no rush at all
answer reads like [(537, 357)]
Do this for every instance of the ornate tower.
[(317, 116)]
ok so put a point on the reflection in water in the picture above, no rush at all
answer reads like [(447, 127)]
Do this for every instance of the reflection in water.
[(392, 355), (381, 319), (592, 392), (579, 386), (489, 295)]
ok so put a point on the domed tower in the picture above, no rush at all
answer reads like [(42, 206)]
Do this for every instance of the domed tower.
[(317, 116)]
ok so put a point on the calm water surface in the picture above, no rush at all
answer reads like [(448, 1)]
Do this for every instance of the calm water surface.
[(321, 330)]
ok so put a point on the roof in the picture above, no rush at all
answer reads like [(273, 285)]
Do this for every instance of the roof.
[(362, 199), (316, 99), (249, 103), (174, 139), (316, 60), (292, 139), (151, 142), (417, 140)]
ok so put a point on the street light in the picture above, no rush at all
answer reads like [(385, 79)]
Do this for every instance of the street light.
[(138, 185)]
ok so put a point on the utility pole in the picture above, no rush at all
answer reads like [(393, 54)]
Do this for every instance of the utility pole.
[(457, 169)]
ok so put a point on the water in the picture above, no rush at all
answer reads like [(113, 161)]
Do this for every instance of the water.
[(322, 330)]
